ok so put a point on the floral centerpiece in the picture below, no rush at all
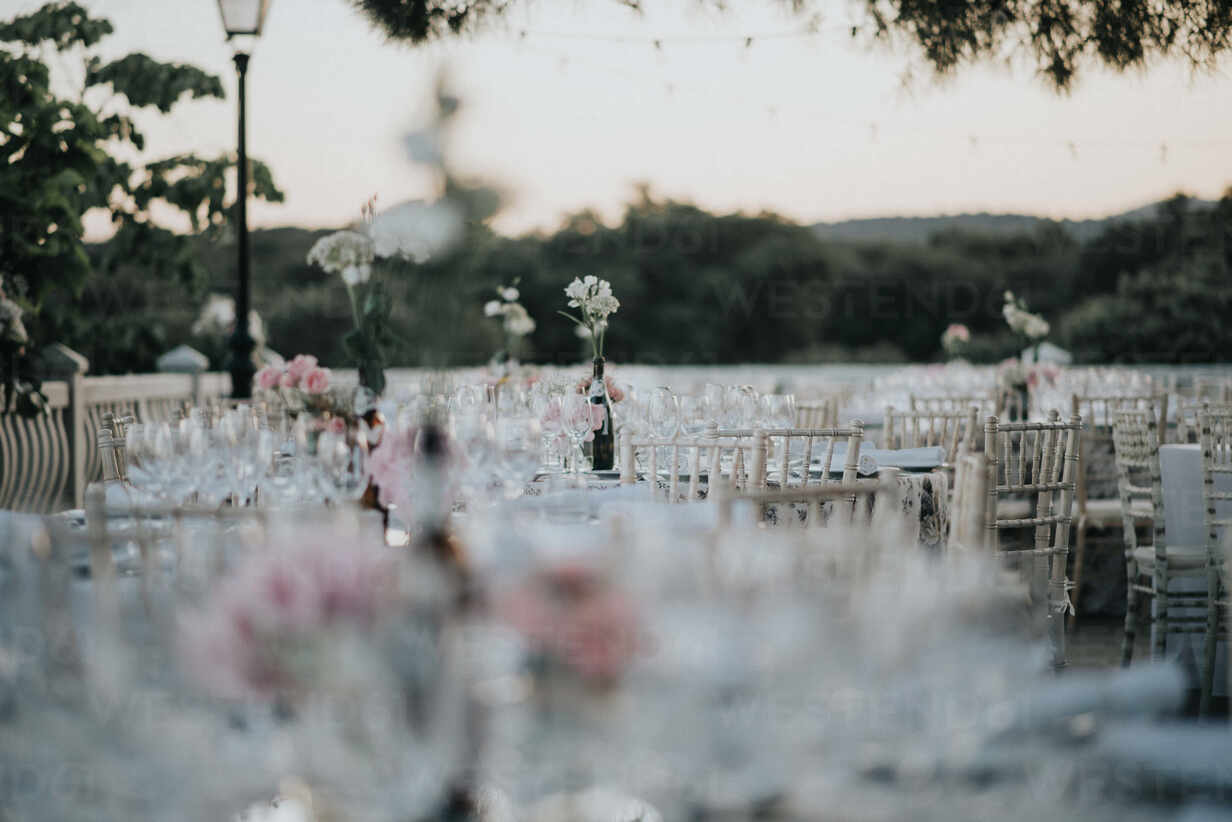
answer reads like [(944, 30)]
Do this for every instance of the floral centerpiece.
[(955, 340), (575, 620), (300, 385), (412, 231), (594, 302), (266, 629), (1013, 375), (215, 324), (516, 323)]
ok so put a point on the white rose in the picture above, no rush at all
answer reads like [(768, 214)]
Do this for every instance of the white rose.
[(509, 294), (492, 308)]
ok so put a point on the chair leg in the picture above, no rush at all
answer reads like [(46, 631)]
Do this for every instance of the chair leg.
[(1080, 548), (1131, 614), (1159, 619), (1210, 642)]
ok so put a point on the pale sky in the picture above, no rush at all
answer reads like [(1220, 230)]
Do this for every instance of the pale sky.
[(583, 106)]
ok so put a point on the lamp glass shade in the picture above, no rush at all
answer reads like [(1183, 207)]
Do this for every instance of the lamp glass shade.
[(243, 16)]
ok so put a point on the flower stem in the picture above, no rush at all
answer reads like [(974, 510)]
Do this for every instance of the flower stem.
[(354, 306)]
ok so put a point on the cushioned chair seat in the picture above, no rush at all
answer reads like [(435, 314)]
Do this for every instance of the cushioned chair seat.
[(1109, 510), (1180, 558)]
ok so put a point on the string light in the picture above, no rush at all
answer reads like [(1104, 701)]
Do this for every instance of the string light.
[(659, 42)]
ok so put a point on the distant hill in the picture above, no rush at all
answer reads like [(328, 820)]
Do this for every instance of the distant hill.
[(918, 230)]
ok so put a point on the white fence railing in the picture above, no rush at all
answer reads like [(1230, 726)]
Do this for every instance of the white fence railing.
[(46, 461)]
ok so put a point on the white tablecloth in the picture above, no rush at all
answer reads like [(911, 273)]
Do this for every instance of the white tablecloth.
[(1181, 471)]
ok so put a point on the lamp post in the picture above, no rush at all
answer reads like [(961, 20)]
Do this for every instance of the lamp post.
[(242, 21)]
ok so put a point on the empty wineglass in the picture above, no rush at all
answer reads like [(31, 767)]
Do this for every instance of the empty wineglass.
[(778, 410), (716, 396), (694, 414), (520, 446), (578, 424), (663, 413), (343, 465)]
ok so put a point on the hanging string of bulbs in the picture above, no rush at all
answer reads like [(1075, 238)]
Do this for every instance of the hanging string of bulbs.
[(524, 40)]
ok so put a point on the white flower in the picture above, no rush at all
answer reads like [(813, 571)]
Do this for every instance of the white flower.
[(593, 296), (353, 275), (416, 230), (217, 315), (11, 326), (518, 322), (508, 293), (256, 329), (1036, 327), (493, 308), (218, 318), (347, 253), (1022, 321)]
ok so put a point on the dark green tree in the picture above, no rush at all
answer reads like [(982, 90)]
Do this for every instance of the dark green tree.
[(62, 155), (1056, 36)]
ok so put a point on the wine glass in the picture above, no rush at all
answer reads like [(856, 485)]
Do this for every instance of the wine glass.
[(343, 465), (694, 414), (578, 424), (663, 413), (716, 396), (520, 449), (779, 410)]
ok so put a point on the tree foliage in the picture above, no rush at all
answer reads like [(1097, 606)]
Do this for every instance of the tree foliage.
[(60, 157), (1057, 36), (419, 21)]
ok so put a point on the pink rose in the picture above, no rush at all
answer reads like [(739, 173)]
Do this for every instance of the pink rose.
[(337, 425), (268, 377), (316, 381), (573, 614), (301, 365), (289, 380)]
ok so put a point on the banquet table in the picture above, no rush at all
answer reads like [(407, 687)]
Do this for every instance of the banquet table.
[(925, 496), (1184, 525)]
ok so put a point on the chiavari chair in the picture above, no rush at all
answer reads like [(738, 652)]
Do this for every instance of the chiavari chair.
[(1096, 503), (1040, 459)]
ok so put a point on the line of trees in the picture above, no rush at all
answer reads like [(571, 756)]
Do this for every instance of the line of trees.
[(696, 287)]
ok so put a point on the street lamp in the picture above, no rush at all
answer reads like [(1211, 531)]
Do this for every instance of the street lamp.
[(242, 21)]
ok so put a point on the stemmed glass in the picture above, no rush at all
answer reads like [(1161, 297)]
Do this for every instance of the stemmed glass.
[(663, 413), (476, 441), (519, 443), (694, 414), (578, 423), (663, 416), (716, 400), (779, 410), (343, 465), (546, 405)]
